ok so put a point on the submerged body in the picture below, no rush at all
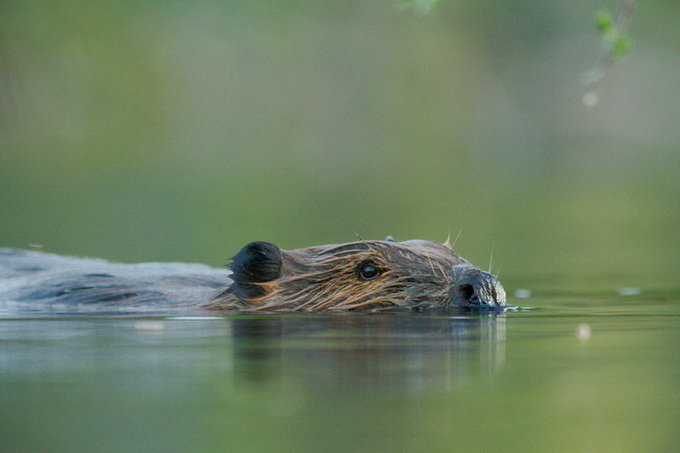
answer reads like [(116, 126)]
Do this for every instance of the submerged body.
[(363, 275)]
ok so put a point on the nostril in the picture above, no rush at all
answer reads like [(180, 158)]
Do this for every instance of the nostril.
[(468, 292)]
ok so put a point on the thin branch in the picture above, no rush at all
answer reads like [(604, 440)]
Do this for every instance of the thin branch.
[(615, 43)]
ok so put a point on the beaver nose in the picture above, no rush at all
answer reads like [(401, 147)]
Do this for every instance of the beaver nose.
[(478, 288)]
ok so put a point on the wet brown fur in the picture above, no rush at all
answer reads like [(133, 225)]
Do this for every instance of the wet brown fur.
[(411, 274)]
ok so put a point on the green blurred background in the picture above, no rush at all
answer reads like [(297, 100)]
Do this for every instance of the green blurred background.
[(181, 130)]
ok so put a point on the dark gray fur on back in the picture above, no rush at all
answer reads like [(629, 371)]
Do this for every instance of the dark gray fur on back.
[(36, 282)]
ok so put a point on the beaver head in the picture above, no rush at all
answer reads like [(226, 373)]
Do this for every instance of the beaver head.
[(367, 274)]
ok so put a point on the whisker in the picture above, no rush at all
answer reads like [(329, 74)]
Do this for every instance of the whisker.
[(456, 240), (491, 258), (447, 242)]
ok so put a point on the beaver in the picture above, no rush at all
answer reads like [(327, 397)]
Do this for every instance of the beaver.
[(362, 275)]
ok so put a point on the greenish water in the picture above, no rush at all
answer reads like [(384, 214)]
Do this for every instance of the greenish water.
[(573, 373)]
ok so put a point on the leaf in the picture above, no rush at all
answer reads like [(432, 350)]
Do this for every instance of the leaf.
[(620, 46), (604, 21)]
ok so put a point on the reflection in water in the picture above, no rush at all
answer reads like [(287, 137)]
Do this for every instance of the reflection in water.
[(365, 382), (398, 351), (371, 352)]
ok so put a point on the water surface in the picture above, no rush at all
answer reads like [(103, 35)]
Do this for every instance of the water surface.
[(572, 373)]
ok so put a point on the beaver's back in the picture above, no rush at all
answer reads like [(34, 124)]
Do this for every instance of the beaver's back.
[(36, 282)]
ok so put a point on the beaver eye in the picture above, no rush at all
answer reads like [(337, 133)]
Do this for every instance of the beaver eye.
[(368, 271)]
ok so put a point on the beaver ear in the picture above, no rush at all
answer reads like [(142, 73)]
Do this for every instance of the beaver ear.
[(257, 262)]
